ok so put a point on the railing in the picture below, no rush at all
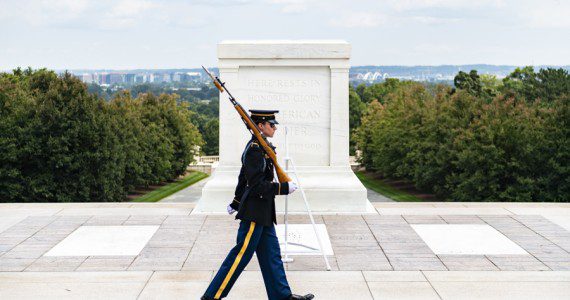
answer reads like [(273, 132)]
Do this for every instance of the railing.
[(208, 159), (353, 161), (204, 163), (211, 159)]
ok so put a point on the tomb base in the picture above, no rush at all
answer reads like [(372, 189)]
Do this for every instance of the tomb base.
[(328, 190)]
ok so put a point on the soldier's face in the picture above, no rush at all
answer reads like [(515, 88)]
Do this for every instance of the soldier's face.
[(267, 129)]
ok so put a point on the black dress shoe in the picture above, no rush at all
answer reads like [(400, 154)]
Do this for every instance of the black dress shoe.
[(206, 298), (299, 297)]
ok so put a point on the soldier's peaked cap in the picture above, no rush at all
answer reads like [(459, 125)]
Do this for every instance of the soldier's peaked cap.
[(258, 115)]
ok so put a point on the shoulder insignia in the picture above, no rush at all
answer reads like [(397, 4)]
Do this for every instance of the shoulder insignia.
[(255, 144)]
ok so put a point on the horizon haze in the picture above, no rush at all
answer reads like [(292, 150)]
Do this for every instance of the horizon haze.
[(151, 34)]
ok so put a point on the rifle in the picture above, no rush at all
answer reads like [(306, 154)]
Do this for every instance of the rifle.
[(252, 127)]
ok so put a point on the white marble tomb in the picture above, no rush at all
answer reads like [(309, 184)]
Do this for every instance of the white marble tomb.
[(307, 81)]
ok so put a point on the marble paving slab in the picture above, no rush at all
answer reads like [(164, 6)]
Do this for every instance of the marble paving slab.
[(561, 220), (104, 240), (9, 220), (466, 239), (304, 234)]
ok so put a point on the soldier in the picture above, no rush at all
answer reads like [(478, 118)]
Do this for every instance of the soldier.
[(255, 203)]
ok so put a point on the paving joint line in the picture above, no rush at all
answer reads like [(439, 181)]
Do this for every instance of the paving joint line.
[(512, 213), (553, 243), (193, 243), (431, 284), (81, 224), (35, 259), (145, 284), (79, 265), (125, 221), (494, 264), (367, 285), (136, 256), (539, 233), (501, 232), (422, 239), (377, 242)]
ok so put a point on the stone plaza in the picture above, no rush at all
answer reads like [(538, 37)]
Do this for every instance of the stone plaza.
[(377, 249), (400, 251)]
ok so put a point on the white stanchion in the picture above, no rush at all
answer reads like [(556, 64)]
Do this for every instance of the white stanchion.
[(289, 161)]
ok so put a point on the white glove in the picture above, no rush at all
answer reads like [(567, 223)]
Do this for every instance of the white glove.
[(230, 210), (292, 186)]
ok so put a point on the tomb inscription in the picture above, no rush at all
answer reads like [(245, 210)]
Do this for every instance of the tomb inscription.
[(302, 97)]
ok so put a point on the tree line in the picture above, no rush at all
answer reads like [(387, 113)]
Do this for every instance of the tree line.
[(203, 104), (60, 143), (483, 140)]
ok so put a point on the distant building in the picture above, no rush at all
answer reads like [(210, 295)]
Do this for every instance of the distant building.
[(164, 77), (103, 78), (115, 78), (178, 77), (369, 76), (150, 78), (87, 78), (130, 78), (140, 78), (161, 77), (194, 75)]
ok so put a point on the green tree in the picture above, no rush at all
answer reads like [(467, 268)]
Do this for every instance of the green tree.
[(355, 110), (65, 144), (172, 138), (211, 136), (552, 84), (546, 84), (464, 147), (364, 133), (469, 82), (60, 143), (490, 85), (380, 90)]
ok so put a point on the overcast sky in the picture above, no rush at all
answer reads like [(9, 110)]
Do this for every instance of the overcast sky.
[(128, 34)]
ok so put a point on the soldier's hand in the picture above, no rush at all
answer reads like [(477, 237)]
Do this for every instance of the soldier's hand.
[(230, 210), (292, 186)]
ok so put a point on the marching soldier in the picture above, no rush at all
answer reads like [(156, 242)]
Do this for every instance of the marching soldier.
[(254, 202)]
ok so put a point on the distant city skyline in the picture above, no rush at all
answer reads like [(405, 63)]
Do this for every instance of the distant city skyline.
[(151, 34), (356, 74)]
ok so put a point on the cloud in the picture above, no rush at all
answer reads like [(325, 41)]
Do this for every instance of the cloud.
[(70, 7), (359, 20), (427, 20), (126, 14), (292, 6), (43, 12), (375, 19), (126, 8), (435, 48), (555, 15), (453, 4)]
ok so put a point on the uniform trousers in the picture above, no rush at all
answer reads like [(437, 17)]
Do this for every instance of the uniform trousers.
[(263, 241)]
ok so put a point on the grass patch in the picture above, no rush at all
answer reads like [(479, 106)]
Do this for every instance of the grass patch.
[(171, 188), (383, 188)]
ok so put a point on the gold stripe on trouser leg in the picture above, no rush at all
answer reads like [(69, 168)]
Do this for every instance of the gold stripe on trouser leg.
[(236, 262)]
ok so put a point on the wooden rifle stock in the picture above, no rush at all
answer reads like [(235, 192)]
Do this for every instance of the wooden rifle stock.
[(252, 127)]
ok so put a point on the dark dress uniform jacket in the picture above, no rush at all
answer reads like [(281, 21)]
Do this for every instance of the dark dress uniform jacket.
[(256, 190)]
